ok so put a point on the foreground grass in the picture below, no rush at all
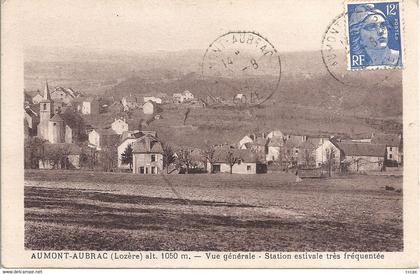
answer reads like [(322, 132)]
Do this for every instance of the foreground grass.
[(102, 211)]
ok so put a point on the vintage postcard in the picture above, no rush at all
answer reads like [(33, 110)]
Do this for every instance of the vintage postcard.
[(209, 134)]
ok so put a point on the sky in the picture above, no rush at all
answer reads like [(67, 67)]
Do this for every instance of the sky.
[(145, 26)]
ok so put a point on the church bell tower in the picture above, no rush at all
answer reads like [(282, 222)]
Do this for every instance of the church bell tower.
[(45, 111)]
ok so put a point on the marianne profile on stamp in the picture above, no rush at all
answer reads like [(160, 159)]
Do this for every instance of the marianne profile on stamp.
[(374, 35)]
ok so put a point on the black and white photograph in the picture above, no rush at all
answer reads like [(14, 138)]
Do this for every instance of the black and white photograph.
[(194, 129)]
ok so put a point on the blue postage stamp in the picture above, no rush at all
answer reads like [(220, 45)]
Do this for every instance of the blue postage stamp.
[(374, 35)]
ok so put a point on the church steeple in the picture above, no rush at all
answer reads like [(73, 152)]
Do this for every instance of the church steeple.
[(46, 96)]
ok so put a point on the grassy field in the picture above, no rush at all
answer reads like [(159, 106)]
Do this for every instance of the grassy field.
[(269, 212)]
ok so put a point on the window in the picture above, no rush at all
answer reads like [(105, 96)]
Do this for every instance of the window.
[(153, 158), (248, 168), (390, 149), (141, 170), (153, 170), (147, 170), (390, 156), (45, 106), (54, 124)]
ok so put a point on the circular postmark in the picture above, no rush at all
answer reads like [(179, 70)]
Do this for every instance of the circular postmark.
[(334, 53), (241, 68)]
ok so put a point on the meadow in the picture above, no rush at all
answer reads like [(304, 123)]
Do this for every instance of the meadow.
[(68, 210)]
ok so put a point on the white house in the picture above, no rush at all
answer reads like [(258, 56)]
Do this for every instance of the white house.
[(119, 126), (322, 153), (182, 97), (275, 133), (122, 147), (149, 107), (248, 163), (152, 99), (240, 98), (245, 140), (147, 155), (393, 143), (187, 95), (275, 144), (87, 105), (178, 98)]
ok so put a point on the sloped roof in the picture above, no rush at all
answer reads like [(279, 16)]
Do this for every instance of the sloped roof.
[(386, 139), (276, 141), (69, 91), (105, 131), (293, 142), (261, 141), (46, 95), (147, 144), (246, 155), (32, 110), (315, 141), (307, 145), (361, 149)]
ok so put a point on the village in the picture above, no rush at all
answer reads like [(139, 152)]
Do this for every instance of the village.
[(65, 129)]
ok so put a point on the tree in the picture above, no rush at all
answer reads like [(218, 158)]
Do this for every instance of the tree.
[(168, 157), (184, 159), (232, 159), (34, 152), (108, 158), (127, 157), (56, 157), (88, 156), (209, 156), (307, 157), (330, 153)]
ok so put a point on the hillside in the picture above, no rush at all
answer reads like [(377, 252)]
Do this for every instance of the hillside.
[(308, 99)]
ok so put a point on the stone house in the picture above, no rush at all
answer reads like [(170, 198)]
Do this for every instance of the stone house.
[(147, 155), (360, 157), (32, 119), (393, 143), (248, 162)]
